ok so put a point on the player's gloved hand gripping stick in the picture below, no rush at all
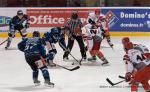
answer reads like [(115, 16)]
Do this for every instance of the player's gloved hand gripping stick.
[(79, 62)]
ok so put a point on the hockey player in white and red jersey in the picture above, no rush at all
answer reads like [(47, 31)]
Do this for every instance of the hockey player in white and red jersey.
[(138, 67), (99, 20), (143, 49), (93, 37), (139, 47)]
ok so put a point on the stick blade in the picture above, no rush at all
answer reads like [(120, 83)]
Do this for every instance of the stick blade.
[(75, 68), (108, 80)]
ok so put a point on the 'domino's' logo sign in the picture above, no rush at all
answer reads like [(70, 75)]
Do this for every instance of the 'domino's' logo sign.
[(111, 18), (4, 21)]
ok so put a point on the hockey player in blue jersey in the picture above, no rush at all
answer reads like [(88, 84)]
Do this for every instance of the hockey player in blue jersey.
[(35, 55), (51, 38), (18, 23)]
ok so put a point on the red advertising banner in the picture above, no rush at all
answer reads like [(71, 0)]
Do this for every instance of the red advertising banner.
[(54, 16)]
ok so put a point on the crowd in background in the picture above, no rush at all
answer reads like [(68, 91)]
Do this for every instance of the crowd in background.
[(72, 3)]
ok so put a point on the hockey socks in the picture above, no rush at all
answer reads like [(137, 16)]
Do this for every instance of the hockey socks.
[(35, 78), (45, 74)]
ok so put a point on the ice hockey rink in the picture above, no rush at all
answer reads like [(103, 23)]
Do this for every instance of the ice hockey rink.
[(16, 75)]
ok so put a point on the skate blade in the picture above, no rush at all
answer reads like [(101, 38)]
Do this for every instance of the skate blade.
[(66, 60), (37, 84), (92, 61), (107, 64), (51, 86)]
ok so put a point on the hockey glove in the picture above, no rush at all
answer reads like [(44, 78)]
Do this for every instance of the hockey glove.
[(27, 25), (11, 33), (128, 77), (86, 48)]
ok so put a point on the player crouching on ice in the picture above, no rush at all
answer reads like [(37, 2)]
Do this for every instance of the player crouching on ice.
[(99, 21), (144, 50), (50, 39), (18, 23), (136, 61), (35, 55), (94, 37)]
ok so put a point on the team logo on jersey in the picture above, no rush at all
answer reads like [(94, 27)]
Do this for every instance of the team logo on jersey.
[(112, 19), (4, 21)]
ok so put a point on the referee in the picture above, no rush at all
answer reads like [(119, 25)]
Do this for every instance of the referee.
[(74, 32)]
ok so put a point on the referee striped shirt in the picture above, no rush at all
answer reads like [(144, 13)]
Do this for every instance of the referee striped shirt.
[(72, 24)]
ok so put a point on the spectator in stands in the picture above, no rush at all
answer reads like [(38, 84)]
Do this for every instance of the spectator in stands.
[(136, 3), (75, 3)]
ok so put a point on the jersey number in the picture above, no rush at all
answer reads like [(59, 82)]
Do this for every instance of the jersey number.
[(140, 57), (29, 47)]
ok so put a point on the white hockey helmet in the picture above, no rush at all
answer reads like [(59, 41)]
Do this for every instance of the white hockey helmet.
[(92, 16)]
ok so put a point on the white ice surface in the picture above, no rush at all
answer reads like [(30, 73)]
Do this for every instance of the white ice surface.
[(16, 75)]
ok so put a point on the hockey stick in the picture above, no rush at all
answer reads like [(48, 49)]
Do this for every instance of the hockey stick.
[(3, 41), (121, 77), (72, 69), (70, 54), (111, 47), (79, 62), (113, 84)]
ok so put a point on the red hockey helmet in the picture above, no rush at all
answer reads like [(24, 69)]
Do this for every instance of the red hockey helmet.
[(125, 40), (128, 46), (97, 12), (102, 17)]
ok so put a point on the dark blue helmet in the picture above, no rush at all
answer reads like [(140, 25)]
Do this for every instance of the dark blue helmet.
[(19, 12), (56, 33), (74, 15), (36, 34)]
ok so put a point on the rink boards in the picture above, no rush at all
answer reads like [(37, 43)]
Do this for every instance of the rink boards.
[(115, 34), (123, 21)]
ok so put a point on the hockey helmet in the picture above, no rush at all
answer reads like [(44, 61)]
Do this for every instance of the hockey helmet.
[(128, 46), (56, 33), (97, 12), (36, 34), (125, 40), (19, 12), (92, 18), (102, 17), (74, 15)]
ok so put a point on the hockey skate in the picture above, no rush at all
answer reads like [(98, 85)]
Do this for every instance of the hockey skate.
[(111, 45), (49, 84), (93, 59), (65, 56), (51, 64), (37, 82), (105, 61), (65, 59), (84, 58), (8, 44), (6, 48)]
